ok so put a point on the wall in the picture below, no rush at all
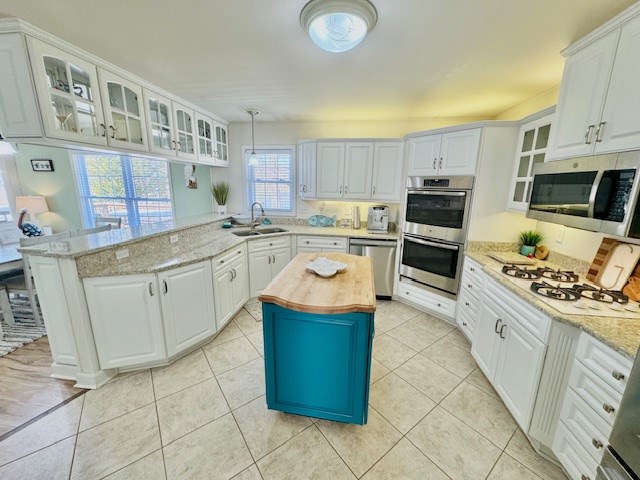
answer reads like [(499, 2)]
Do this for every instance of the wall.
[(60, 189)]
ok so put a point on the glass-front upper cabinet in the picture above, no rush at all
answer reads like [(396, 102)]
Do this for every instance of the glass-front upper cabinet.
[(123, 112), (67, 87), (531, 150), (221, 150), (184, 131), (159, 123), (204, 129)]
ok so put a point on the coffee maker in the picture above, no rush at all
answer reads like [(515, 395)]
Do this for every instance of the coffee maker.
[(378, 219)]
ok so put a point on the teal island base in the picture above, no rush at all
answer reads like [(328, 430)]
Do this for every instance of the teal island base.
[(318, 365)]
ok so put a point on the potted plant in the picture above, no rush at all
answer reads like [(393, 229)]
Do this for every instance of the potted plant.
[(220, 192), (529, 239)]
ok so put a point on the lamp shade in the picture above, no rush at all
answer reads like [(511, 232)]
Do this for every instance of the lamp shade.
[(34, 204)]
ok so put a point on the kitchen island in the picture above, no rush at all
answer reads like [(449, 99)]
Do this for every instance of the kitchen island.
[(318, 336)]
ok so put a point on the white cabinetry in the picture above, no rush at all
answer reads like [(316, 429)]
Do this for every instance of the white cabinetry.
[(266, 259), (159, 123), (307, 169), (187, 306), (599, 98), (426, 300), (509, 348), (231, 284), (597, 382), (184, 124), (126, 320), (357, 170), (468, 303), (450, 153), (387, 171), (310, 244), (330, 165), (221, 150)]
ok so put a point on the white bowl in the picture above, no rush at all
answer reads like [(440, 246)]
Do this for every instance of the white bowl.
[(326, 272)]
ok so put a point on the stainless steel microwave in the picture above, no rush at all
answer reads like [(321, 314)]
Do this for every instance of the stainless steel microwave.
[(598, 193)]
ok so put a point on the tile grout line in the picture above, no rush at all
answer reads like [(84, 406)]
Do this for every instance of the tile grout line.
[(75, 444), (334, 449), (155, 402)]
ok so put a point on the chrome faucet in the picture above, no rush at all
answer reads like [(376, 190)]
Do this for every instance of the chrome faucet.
[(253, 218)]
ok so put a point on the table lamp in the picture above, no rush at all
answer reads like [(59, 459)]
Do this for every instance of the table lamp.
[(35, 205)]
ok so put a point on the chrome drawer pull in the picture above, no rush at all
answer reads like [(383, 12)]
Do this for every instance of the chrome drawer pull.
[(596, 443), (608, 408), (501, 329), (618, 375), (587, 135), (498, 322)]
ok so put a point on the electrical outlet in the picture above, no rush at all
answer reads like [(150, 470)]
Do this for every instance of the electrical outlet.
[(122, 254), (174, 239)]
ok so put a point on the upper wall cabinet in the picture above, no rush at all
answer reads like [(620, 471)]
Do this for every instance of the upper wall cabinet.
[(599, 99), (56, 94), (307, 169), (451, 153), (387, 171)]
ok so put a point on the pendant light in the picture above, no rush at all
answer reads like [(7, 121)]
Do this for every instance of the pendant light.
[(253, 157), (338, 25)]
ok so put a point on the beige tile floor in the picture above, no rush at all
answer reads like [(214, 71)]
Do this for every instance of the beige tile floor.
[(432, 416)]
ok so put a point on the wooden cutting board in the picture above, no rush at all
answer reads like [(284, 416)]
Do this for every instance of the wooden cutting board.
[(601, 262), (511, 258), (601, 256)]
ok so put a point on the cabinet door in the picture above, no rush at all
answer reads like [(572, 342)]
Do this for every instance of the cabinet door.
[(126, 320), (221, 149), (187, 306), (330, 158), (620, 127), (485, 344), (582, 94), (239, 283), (307, 169), (159, 123), (280, 258), (223, 296), (459, 152), (387, 170), (357, 170), (19, 116), (424, 153), (69, 95), (205, 141), (518, 370), (260, 268), (184, 121), (123, 111)]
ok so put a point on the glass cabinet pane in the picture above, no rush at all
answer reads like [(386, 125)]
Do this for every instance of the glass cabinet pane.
[(543, 137), (81, 83), (116, 98), (119, 130), (523, 167), (537, 158), (131, 101), (154, 111), (63, 111), (87, 119), (164, 115), (56, 71), (518, 194), (135, 129), (527, 142), (204, 129), (159, 120)]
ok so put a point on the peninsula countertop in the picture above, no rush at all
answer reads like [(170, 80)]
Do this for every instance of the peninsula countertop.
[(621, 334), (298, 289)]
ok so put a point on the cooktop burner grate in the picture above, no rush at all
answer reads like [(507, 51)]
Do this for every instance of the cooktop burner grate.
[(558, 275), (519, 272), (601, 294), (556, 292)]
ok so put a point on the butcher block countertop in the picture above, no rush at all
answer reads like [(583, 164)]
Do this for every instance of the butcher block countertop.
[(297, 289)]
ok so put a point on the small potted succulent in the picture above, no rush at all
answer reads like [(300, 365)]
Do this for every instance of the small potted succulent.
[(220, 192), (529, 239)]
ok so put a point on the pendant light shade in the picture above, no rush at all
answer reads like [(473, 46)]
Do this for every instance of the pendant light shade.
[(338, 25), (253, 157)]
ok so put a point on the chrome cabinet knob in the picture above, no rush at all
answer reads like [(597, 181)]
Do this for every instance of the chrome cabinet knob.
[(584, 477), (467, 304), (618, 375), (596, 443), (608, 408)]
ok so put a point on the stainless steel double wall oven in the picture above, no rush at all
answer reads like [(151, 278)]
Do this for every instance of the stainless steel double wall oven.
[(435, 230)]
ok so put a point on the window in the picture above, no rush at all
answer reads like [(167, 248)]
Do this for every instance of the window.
[(271, 182), (138, 190), (8, 188)]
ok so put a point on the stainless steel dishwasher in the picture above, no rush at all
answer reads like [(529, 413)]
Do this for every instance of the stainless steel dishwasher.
[(383, 255)]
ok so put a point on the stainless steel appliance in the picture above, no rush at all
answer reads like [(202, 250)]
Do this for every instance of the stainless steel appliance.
[(598, 193), (434, 232), (378, 219), (383, 256), (438, 207), (621, 460)]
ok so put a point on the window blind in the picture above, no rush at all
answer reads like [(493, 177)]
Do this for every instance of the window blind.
[(271, 182)]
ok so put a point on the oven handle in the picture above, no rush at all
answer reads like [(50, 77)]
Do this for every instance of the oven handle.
[(432, 244), (594, 191), (438, 193)]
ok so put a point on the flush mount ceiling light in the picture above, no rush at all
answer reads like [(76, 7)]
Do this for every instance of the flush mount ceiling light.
[(338, 25), (253, 157)]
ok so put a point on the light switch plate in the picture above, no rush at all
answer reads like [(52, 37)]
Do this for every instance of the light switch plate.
[(174, 239), (122, 254)]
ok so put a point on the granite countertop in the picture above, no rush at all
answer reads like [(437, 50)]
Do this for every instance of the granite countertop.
[(621, 334)]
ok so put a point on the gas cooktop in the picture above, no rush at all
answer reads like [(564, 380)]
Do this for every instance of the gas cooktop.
[(564, 291)]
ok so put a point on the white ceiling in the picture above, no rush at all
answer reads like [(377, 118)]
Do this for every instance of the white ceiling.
[(425, 58)]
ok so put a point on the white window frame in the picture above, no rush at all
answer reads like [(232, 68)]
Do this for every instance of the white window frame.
[(244, 152)]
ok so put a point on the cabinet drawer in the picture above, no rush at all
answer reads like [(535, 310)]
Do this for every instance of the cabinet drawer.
[(575, 460), (591, 431), (529, 317), (466, 323), (472, 270), (469, 301), (269, 243), (337, 243), (223, 260), (472, 286), (610, 366), (598, 395), (431, 301)]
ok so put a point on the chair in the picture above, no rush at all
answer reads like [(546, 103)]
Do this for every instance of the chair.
[(115, 222)]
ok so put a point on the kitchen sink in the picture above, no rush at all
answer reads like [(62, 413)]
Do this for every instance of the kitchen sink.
[(262, 231)]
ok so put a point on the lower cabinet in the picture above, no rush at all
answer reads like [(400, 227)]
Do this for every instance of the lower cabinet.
[(126, 320), (510, 356), (266, 259), (231, 285), (425, 299), (186, 296)]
